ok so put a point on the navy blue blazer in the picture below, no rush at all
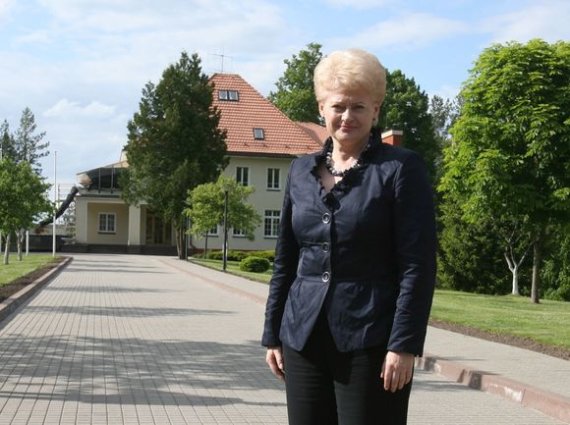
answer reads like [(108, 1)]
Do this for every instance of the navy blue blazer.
[(362, 254)]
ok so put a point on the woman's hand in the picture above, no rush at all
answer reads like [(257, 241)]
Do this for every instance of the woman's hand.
[(274, 358), (397, 370)]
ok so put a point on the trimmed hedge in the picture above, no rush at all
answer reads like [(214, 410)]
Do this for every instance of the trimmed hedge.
[(232, 255), (254, 264), (269, 254)]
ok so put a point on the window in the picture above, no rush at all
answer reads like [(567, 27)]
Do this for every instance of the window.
[(273, 178), (239, 233), (271, 223), (213, 231), (231, 95), (258, 134), (242, 175), (107, 222)]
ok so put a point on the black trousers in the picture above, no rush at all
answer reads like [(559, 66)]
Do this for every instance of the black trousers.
[(328, 387)]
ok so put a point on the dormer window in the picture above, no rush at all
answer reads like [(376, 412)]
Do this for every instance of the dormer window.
[(258, 134), (231, 95)]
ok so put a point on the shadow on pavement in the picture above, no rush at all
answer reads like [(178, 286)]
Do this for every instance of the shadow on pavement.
[(133, 371)]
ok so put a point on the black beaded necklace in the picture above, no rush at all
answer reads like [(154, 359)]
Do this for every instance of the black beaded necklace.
[(329, 164)]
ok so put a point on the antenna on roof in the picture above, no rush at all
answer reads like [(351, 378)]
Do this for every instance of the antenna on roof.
[(222, 57)]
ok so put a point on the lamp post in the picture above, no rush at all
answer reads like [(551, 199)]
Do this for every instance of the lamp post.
[(54, 199), (225, 260)]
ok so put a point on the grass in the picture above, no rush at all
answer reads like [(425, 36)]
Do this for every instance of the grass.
[(16, 269), (233, 267), (546, 323)]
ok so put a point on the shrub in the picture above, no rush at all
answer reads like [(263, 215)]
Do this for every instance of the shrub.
[(254, 264), (216, 255), (232, 255), (269, 254)]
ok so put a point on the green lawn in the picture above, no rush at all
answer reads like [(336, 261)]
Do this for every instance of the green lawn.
[(233, 267), (547, 322), (16, 269)]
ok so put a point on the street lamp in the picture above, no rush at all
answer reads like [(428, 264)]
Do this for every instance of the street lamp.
[(225, 260), (54, 199)]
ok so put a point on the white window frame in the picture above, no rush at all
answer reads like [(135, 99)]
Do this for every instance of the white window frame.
[(213, 231), (271, 222), (273, 179), (104, 225), (258, 133), (238, 233), (233, 95), (228, 95), (242, 175)]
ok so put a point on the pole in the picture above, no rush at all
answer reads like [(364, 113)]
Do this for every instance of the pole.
[(1, 157), (225, 229), (54, 200)]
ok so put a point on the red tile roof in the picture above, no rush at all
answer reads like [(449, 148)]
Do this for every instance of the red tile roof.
[(317, 132), (283, 137)]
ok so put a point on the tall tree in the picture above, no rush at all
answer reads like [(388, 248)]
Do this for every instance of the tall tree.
[(22, 200), (469, 255), (29, 145), (556, 270), (406, 108), (7, 143), (174, 143), (206, 207), (509, 162), (443, 114), (295, 95)]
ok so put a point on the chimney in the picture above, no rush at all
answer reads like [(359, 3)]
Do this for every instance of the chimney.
[(393, 137)]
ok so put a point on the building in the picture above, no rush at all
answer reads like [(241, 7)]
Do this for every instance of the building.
[(261, 143)]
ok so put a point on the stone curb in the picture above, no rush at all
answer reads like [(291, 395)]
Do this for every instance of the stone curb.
[(10, 304), (551, 404)]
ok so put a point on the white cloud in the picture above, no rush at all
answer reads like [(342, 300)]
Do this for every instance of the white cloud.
[(405, 32), (548, 20), (68, 109), (5, 6), (359, 4)]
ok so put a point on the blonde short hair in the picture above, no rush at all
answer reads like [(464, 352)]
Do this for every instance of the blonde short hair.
[(352, 69)]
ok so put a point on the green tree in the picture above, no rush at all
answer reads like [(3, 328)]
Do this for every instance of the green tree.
[(443, 114), (509, 163), (469, 255), (22, 200), (28, 144), (295, 95), (7, 143), (174, 143), (556, 270), (406, 108), (206, 207)]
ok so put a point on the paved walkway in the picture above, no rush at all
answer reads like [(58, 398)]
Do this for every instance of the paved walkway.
[(152, 340)]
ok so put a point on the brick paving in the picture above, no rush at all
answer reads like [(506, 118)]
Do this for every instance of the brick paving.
[(118, 339)]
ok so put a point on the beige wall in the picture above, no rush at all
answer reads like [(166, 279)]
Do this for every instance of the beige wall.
[(121, 211), (88, 208), (262, 199)]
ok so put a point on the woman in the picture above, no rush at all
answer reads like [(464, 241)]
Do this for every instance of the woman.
[(354, 270)]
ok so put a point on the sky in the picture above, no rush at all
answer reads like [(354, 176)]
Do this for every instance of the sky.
[(81, 65)]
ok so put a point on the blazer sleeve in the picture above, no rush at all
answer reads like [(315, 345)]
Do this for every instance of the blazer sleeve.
[(284, 271), (415, 242)]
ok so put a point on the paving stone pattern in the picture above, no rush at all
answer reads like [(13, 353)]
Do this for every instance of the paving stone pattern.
[(118, 339)]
